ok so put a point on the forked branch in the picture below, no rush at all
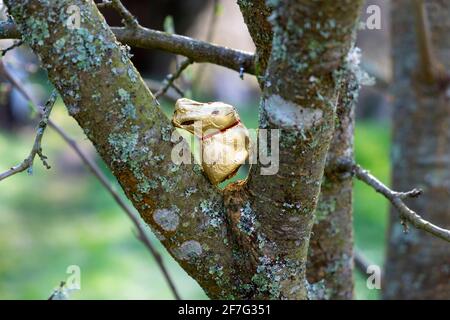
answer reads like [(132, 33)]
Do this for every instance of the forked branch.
[(396, 199)]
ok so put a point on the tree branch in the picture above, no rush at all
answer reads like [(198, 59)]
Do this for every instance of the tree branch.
[(396, 198), (170, 79), (97, 172), (132, 135), (256, 16), (27, 164), (298, 107), (361, 262), (127, 18), (196, 50)]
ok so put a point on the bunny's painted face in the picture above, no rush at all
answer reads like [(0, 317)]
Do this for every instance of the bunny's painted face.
[(225, 140)]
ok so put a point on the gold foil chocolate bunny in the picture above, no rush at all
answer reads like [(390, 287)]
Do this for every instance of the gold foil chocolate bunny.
[(224, 139)]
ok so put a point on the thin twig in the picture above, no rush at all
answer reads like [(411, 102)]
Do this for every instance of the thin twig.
[(14, 45), (142, 236), (396, 198), (36, 150), (172, 94), (170, 79), (127, 18), (59, 293), (362, 264)]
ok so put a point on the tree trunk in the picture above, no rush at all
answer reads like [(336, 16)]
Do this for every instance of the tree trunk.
[(417, 265), (330, 256)]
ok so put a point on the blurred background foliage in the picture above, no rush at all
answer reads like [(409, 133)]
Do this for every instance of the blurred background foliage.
[(60, 217)]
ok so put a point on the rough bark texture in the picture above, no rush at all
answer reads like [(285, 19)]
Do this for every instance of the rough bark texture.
[(417, 265), (256, 14), (299, 97), (330, 256)]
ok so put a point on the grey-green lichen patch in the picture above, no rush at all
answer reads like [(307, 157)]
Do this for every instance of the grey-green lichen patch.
[(317, 291), (123, 145), (267, 278), (213, 211), (166, 133), (36, 31), (168, 184), (167, 219), (217, 272), (173, 167), (87, 51), (125, 53), (132, 75), (123, 95), (197, 169), (189, 191), (271, 275), (73, 109), (147, 185), (129, 111), (247, 220), (189, 250)]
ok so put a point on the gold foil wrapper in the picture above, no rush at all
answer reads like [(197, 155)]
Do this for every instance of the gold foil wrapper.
[(225, 140)]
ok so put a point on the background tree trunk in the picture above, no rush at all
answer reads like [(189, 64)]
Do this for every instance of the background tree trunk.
[(418, 264)]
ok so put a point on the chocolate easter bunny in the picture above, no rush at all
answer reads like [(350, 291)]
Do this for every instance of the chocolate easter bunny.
[(224, 139)]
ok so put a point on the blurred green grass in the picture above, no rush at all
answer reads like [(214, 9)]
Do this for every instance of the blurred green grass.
[(61, 217)]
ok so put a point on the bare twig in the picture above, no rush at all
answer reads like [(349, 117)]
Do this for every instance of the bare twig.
[(142, 236), (127, 18), (196, 50), (396, 198), (14, 45), (171, 94), (362, 264), (170, 79), (36, 150), (59, 293)]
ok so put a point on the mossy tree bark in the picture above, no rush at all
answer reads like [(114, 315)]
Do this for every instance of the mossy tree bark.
[(330, 256), (417, 265), (250, 241)]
